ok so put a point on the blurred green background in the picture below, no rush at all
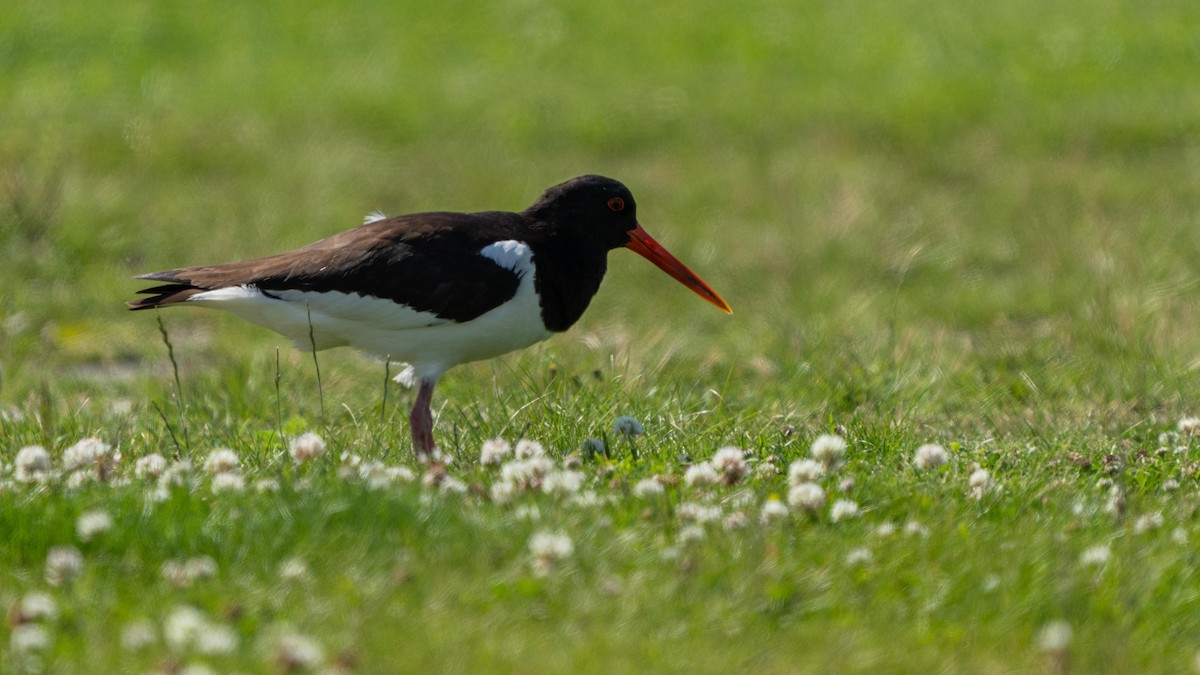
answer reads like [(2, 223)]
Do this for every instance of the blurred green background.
[(965, 222), (946, 188)]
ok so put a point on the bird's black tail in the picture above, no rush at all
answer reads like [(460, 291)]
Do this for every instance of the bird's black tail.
[(167, 294)]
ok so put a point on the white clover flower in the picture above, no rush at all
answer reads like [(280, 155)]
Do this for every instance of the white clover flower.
[(647, 487), (38, 606), (138, 635), (930, 456), (93, 523), (63, 564), (201, 567), (1116, 500), (690, 533), (158, 494), (183, 626), (77, 479), (494, 451), (150, 466), (528, 512), (88, 452), (829, 450), (587, 499), (32, 463), (183, 573), (859, 556), (1170, 485), (264, 485), (915, 528), (503, 492), (348, 468), (174, 572), (176, 474), (805, 471), (730, 463), (808, 496), (293, 569), (295, 652), (434, 476), (306, 447), (627, 426), (766, 470), (699, 475), (1095, 556), (228, 482), (698, 513), (529, 449), (216, 638), (562, 483), (1055, 637), (735, 521), (885, 529), (1189, 426), (1147, 522), (843, 509), (29, 637), (451, 485), (378, 475), (548, 549), (221, 460), (990, 583), (980, 482), (528, 473), (773, 510)]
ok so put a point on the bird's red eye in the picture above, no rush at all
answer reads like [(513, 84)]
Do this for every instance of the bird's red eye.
[(616, 204)]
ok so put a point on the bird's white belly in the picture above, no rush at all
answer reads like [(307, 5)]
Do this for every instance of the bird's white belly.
[(388, 329)]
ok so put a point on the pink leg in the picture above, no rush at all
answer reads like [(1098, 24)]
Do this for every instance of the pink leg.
[(421, 420)]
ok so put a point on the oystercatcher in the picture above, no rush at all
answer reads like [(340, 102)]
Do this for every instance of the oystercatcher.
[(434, 290)]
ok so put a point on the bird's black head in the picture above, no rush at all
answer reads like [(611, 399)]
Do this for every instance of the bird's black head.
[(592, 208), (588, 216)]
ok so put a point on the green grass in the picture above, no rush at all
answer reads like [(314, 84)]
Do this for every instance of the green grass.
[(957, 223)]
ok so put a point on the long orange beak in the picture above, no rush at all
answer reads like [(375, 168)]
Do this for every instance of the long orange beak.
[(644, 245)]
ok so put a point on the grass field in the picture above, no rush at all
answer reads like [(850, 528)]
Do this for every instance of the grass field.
[(968, 225)]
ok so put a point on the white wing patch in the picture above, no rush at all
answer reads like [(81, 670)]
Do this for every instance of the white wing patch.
[(510, 254), (374, 217)]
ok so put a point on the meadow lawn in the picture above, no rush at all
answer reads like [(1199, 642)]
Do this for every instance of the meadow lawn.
[(962, 246)]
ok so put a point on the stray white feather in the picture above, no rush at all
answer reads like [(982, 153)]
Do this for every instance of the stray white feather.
[(407, 377), (374, 217)]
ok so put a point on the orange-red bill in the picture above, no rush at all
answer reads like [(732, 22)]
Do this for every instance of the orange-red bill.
[(644, 245)]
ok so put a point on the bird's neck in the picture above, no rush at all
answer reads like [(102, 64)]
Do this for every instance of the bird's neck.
[(567, 279)]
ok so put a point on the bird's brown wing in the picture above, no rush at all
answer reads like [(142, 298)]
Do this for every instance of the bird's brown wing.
[(429, 262)]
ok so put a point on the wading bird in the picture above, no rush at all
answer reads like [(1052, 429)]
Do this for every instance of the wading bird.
[(434, 290)]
